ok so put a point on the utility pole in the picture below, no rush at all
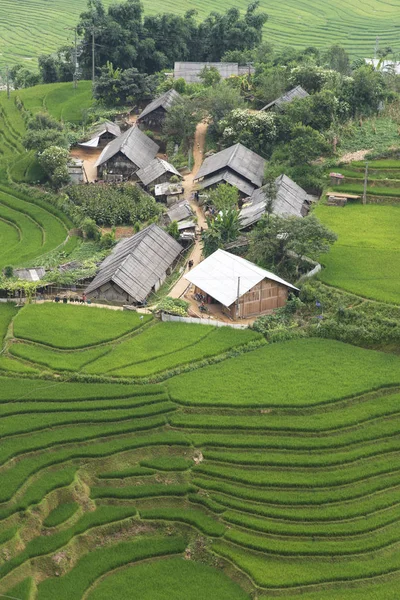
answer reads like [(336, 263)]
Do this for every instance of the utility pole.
[(75, 60), (376, 46), (238, 296), (93, 50), (365, 183)]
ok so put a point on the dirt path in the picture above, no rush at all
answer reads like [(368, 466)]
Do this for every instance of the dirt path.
[(189, 186), (89, 158)]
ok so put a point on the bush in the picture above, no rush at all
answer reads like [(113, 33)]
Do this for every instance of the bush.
[(173, 306), (90, 229)]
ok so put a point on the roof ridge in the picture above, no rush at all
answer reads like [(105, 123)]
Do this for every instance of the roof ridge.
[(232, 156)]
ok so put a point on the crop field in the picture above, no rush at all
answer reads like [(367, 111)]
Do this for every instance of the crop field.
[(33, 28), (271, 469), (365, 259)]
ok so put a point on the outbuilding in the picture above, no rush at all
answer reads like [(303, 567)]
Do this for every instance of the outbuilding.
[(157, 171), (243, 289), (237, 165), (154, 114), (190, 71), (102, 134), (291, 201), (295, 93), (136, 267), (124, 156)]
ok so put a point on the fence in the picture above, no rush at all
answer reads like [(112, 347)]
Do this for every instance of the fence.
[(209, 321)]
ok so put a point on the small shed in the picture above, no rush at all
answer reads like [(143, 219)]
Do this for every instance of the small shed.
[(157, 171), (236, 165), (154, 114), (102, 134), (179, 212), (76, 170), (168, 192), (136, 267), (291, 201), (242, 288), (297, 92), (127, 154)]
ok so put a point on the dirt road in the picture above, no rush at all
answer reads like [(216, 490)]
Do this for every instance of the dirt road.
[(189, 186), (89, 157)]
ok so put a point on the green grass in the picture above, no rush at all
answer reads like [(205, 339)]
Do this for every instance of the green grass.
[(23, 590), (377, 134), (365, 259), (61, 100), (8, 310), (57, 361), (61, 513), (186, 580), (193, 517), (67, 326), (287, 375)]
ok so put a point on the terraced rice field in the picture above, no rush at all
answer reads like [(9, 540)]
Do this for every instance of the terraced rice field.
[(33, 27), (272, 469), (366, 257)]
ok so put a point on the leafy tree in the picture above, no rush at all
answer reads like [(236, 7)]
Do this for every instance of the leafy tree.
[(90, 229), (255, 130), (181, 121), (218, 102), (313, 78), (22, 77), (224, 197), (368, 90), (118, 87), (54, 162), (281, 244), (336, 58), (221, 230), (306, 145), (210, 76), (271, 193), (40, 139), (48, 68)]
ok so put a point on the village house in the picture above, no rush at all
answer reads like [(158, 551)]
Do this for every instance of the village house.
[(136, 267), (156, 172), (238, 166), (102, 135), (241, 288), (168, 192), (124, 156), (291, 201), (152, 117), (182, 213), (190, 71), (297, 92)]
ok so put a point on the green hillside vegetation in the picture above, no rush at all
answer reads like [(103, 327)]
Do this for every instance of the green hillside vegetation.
[(278, 460), (365, 259), (33, 30)]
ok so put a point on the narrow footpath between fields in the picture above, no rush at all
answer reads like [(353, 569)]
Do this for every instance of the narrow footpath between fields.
[(189, 188)]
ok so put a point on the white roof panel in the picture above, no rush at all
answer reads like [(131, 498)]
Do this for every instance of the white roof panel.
[(218, 276)]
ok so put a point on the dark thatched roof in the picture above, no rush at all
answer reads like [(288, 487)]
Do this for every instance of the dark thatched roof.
[(134, 144), (165, 101), (138, 263), (155, 169), (238, 159), (291, 201), (297, 92)]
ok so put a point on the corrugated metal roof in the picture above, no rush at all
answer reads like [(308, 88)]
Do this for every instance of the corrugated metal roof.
[(134, 144), (291, 201), (237, 158), (138, 263), (189, 71), (180, 211), (297, 92), (168, 189), (106, 127), (35, 274), (218, 276), (155, 169), (228, 177), (165, 101)]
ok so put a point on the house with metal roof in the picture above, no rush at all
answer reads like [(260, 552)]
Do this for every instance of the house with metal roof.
[(291, 201), (124, 156), (179, 212), (136, 267), (154, 114), (102, 134), (242, 288), (240, 167), (190, 71), (297, 92), (157, 171)]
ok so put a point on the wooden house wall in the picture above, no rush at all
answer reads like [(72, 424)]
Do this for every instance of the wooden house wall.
[(112, 293), (262, 299), (118, 164), (153, 120), (105, 138)]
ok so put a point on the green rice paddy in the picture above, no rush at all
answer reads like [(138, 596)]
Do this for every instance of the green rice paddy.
[(32, 28), (272, 469), (365, 259)]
